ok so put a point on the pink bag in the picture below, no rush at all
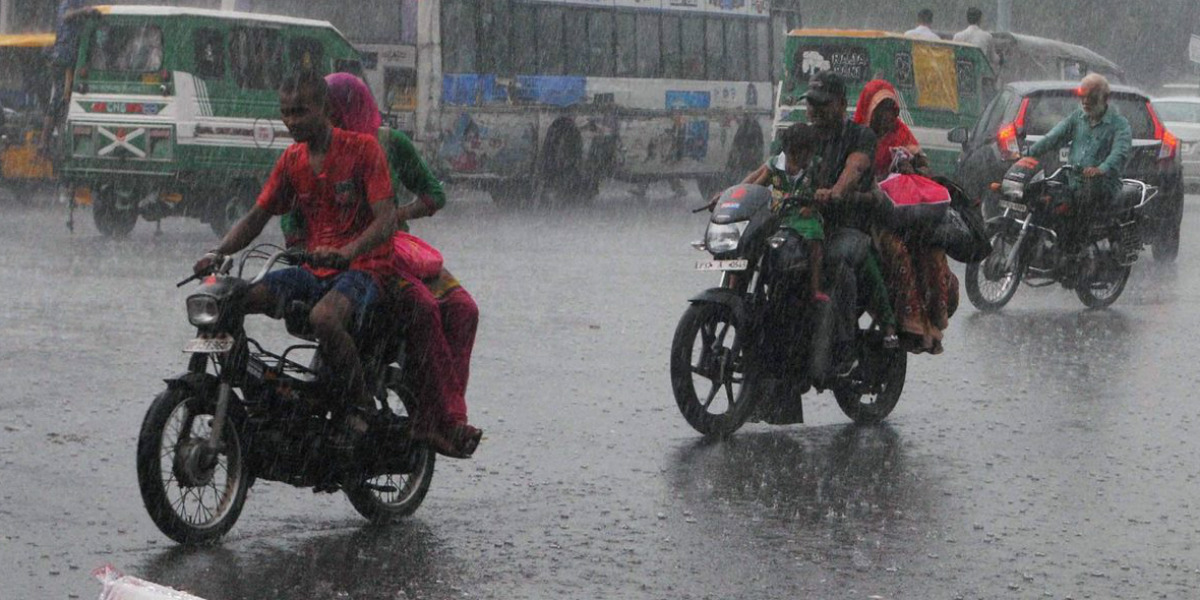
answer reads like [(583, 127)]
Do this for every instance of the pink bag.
[(414, 256), (916, 200)]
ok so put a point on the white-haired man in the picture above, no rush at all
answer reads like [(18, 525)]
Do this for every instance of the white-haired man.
[(1101, 142)]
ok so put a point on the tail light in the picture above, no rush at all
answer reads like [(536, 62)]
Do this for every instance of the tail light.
[(1169, 148), (1007, 137)]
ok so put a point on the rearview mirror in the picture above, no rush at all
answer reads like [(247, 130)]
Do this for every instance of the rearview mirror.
[(958, 135)]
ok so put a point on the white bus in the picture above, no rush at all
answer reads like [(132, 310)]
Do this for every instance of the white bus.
[(524, 97)]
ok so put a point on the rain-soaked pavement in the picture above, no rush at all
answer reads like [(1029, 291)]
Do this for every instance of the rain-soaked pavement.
[(1050, 452)]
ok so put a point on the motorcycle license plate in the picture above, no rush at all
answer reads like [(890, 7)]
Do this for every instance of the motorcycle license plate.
[(1013, 206), (211, 345), (722, 265)]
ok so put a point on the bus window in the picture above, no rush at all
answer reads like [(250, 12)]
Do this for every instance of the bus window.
[(550, 41), (672, 52), (256, 56), (600, 43), (524, 28), (209, 53), (577, 44), (126, 48), (760, 53), (626, 45), (692, 36), (495, 20), (737, 50), (714, 50), (459, 46), (649, 50), (306, 53)]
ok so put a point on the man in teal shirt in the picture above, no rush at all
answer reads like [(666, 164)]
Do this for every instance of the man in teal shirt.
[(1101, 142)]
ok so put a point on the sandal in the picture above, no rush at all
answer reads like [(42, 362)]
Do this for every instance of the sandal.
[(455, 441)]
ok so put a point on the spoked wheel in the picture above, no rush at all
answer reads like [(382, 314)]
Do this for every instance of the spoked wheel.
[(1105, 284), (193, 494), (871, 390), (396, 484), (708, 369), (992, 282)]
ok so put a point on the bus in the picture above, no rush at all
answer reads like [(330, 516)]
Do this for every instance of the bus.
[(529, 98)]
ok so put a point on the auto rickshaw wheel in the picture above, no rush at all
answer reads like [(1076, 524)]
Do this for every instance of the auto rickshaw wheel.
[(115, 210), (229, 209)]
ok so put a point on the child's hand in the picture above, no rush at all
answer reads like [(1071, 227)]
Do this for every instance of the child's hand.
[(806, 212)]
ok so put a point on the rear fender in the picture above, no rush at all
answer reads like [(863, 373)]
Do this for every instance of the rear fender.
[(725, 297)]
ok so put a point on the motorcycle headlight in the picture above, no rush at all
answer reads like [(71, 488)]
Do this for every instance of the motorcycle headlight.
[(721, 238), (1012, 189), (202, 310)]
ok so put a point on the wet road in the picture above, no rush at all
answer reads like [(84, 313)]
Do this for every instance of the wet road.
[(1050, 452)]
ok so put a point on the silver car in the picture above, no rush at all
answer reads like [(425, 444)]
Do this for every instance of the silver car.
[(1181, 115)]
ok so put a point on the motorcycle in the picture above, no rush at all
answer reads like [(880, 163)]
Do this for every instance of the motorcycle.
[(242, 412), (749, 349), (1034, 208)]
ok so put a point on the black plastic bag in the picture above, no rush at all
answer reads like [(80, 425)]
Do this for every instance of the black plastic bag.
[(962, 232)]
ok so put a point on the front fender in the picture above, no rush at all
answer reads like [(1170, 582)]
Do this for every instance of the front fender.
[(724, 297), (200, 383)]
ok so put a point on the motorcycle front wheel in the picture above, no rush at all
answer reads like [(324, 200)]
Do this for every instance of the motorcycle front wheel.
[(194, 495), (396, 488), (990, 282), (708, 369), (870, 392)]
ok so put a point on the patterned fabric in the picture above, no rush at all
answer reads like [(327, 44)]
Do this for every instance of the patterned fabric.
[(924, 289)]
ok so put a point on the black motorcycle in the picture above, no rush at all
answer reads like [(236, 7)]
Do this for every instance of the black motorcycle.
[(750, 348), (241, 412), (1027, 239)]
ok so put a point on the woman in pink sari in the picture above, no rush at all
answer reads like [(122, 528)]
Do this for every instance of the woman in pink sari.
[(924, 288), (441, 316)]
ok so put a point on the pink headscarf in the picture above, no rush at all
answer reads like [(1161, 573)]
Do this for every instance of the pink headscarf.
[(352, 104)]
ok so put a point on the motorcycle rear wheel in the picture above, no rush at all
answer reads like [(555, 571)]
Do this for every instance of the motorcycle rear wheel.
[(1102, 290), (387, 497), (708, 344), (864, 403), (192, 497), (989, 285)]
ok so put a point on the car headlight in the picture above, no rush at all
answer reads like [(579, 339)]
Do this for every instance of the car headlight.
[(1012, 189), (203, 310), (721, 238)]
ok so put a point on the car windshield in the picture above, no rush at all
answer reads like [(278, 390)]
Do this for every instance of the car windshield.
[(127, 48), (1046, 110), (1179, 112)]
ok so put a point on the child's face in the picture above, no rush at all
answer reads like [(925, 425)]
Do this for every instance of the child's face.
[(798, 158)]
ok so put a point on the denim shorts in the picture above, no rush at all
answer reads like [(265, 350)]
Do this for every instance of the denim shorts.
[(296, 283)]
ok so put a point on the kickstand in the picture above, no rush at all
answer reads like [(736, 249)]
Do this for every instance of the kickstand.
[(71, 216), (158, 228)]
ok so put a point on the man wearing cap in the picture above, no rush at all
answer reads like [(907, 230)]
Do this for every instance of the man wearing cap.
[(843, 181)]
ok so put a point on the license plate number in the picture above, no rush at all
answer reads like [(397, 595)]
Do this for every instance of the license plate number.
[(209, 345), (1013, 206), (722, 265)]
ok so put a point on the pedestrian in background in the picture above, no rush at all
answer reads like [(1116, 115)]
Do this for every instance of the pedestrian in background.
[(924, 28), (974, 34)]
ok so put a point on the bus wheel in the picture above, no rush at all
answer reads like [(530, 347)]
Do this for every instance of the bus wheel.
[(226, 209), (712, 185), (512, 193), (561, 177), (115, 210)]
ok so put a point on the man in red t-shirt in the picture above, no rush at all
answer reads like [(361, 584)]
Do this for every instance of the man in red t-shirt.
[(340, 181)]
